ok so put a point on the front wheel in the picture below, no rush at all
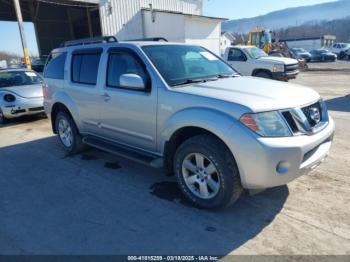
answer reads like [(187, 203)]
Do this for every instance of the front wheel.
[(68, 133), (264, 75), (207, 172), (3, 119)]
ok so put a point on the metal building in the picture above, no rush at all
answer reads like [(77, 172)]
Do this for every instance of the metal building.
[(176, 20), (56, 21)]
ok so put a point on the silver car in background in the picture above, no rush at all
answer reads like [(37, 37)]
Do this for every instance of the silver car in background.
[(20, 93)]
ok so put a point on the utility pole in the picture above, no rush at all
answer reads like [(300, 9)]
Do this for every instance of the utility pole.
[(22, 34)]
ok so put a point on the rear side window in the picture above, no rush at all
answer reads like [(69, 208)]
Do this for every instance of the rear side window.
[(55, 66), (85, 68)]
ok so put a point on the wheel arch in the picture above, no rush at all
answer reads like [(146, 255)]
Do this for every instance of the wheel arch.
[(190, 123), (261, 70)]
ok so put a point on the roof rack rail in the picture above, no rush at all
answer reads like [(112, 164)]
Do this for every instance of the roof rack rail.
[(155, 39), (90, 40)]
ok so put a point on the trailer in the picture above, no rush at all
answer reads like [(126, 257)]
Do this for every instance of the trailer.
[(311, 43)]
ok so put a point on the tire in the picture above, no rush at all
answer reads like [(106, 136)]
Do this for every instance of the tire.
[(67, 131), (216, 156), (3, 119), (263, 75), (341, 55)]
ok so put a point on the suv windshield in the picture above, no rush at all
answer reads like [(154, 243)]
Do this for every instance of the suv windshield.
[(18, 78), (255, 52), (182, 64)]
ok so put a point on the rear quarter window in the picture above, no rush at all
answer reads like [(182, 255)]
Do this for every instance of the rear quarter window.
[(55, 65), (85, 68)]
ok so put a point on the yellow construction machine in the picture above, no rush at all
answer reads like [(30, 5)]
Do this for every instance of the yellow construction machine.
[(260, 38), (263, 39)]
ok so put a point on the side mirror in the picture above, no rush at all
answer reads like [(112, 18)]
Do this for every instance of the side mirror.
[(132, 81)]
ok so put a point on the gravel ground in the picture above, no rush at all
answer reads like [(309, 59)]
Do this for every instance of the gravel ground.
[(96, 203)]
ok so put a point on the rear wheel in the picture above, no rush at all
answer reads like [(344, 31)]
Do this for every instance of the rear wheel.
[(263, 74), (68, 133), (342, 55), (3, 119), (207, 172)]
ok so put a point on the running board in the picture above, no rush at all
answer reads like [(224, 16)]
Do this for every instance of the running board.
[(124, 151)]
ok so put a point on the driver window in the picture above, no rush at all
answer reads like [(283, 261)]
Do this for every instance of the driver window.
[(236, 55), (124, 63)]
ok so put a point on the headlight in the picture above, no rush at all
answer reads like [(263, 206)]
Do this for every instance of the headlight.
[(9, 98), (269, 124), (278, 68)]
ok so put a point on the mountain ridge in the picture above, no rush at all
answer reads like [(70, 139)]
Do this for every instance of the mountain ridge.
[(291, 17)]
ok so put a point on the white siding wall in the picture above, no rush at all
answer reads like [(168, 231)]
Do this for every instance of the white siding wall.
[(170, 26), (184, 29), (204, 32), (125, 19), (225, 42)]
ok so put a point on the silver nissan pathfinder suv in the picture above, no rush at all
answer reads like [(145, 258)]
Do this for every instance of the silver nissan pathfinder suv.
[(182, 108)]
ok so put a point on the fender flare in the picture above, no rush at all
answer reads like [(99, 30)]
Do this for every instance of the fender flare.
[(216, 122), (63, 98)]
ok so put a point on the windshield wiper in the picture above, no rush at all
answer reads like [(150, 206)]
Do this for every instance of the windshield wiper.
[(193, 81), (226, 76)]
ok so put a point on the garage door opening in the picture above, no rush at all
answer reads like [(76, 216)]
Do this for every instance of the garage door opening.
[(56, 21)]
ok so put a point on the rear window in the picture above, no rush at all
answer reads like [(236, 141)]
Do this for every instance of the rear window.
[(85, 68), (55, 66)]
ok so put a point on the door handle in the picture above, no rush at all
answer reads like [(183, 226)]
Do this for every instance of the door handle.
[(106, 97)]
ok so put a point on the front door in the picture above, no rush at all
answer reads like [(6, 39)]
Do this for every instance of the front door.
[(128, 116), (238, 60)]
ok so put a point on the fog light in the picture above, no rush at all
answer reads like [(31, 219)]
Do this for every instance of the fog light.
[(283, 167)]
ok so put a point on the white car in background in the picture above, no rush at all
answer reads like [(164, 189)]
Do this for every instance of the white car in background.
[(20, 93), (252, 61), (340, 49)]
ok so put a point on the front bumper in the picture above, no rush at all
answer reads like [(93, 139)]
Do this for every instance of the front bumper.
[(259, 161), (22, 107), (285, 75)]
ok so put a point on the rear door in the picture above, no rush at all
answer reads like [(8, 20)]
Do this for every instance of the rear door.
[(81, 85), (128, 116)]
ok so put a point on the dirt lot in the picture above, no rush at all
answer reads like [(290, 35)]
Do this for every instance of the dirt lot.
[(96, 203)]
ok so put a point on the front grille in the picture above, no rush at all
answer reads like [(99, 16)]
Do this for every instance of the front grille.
[(307, 112), (305, 120), (289, 118), (292, 67), (34, 109)]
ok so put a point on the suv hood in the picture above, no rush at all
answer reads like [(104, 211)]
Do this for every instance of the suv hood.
[(255, 93), (282, 60), (26, 91)]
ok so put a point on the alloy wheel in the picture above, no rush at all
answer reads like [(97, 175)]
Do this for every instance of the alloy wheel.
[(201, 176), (65, 132)]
